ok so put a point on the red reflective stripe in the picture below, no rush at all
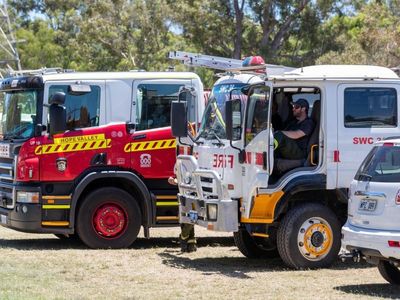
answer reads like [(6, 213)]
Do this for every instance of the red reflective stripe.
[(259, 159), (388, 144), (398, 197), (248, 157), (336, 156), (394, 244)]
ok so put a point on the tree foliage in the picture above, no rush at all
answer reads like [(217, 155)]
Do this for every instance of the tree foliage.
[(110, 35), (370, 37)]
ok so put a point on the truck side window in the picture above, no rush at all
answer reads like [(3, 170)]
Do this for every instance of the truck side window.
[(83, 110), (153, 105), (257, 112), (370, 107)]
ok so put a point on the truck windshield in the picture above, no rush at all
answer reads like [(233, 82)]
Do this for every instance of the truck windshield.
[(18, 114), (213, 122)]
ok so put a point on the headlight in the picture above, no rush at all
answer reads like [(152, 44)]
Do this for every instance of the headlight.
[(27, 197), (212, 212), (187, 178)]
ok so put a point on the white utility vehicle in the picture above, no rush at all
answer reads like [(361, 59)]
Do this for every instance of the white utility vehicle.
[(372, 230)]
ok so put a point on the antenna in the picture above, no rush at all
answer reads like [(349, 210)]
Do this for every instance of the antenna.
[(8, 50)]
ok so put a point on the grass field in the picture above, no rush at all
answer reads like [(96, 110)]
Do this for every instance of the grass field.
[(45, 267)]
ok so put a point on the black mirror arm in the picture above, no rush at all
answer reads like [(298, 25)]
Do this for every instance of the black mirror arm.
[(230, 140), (241, 152)]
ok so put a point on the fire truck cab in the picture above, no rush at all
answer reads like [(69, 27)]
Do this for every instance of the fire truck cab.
[(233, 182), (90, 153)]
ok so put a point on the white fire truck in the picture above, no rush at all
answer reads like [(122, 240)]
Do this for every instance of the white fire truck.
[(294, 208)]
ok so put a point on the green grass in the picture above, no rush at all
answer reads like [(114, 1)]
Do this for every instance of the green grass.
[(44, 267)]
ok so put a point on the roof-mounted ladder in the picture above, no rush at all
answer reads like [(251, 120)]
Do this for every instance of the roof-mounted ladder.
[(225, 64)]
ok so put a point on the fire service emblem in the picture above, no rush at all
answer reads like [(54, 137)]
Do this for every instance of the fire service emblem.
[(61, 164)]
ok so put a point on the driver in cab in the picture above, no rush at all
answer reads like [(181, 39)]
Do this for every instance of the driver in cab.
[(291, 143)]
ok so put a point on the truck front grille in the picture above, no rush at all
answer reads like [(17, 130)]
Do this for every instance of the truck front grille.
[(208, 187), (7, 171), (200, 183)]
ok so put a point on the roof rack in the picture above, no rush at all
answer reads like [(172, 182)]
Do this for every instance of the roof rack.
[(41, 71)]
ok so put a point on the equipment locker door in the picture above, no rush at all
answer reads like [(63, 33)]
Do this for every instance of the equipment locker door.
[(367, 113), (258, 143)]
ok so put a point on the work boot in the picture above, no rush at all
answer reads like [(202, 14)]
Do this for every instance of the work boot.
[(188, 246), (187, 239), (191, 247), (184, 245)]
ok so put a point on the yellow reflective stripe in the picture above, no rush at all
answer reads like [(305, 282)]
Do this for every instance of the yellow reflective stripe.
[(167, 203), (56, 206), (264, 235), (167, 218), (150, 145), (55, 223), (75, 146), (256, 221), (57, 197)]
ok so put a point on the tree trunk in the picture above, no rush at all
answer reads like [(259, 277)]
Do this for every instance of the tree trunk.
[(271, 45), (237, 52)]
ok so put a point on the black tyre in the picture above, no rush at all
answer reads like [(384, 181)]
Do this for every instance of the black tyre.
[(108, 218), (389, 271), (254, 247), (309, 237)]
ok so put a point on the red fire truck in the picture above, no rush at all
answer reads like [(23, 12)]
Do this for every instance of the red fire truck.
[(89, 154)]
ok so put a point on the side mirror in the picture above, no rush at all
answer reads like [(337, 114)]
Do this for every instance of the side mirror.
[(184, 92), (57, 114), (229, 120), (245, 90), (233, 119), (58, 99), (179, 119), (188, 95), (39, 128)]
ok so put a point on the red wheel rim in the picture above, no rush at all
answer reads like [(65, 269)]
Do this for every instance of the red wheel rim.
[(110, 220)]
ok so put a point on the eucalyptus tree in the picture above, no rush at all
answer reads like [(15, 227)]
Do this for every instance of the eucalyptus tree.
[(371, 36)]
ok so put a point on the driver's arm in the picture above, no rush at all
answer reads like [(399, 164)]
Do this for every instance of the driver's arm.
[(294, 134)]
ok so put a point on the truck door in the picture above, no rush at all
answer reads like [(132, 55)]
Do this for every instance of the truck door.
[(153, 148), (258, 141), (70, 152), (366, 113)]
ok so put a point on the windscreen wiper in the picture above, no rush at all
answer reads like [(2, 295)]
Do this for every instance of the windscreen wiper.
[(201, 135), (10, 137), (214, 134)]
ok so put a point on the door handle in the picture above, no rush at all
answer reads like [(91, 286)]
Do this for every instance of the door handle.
[(139, 137), (370, 194)]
